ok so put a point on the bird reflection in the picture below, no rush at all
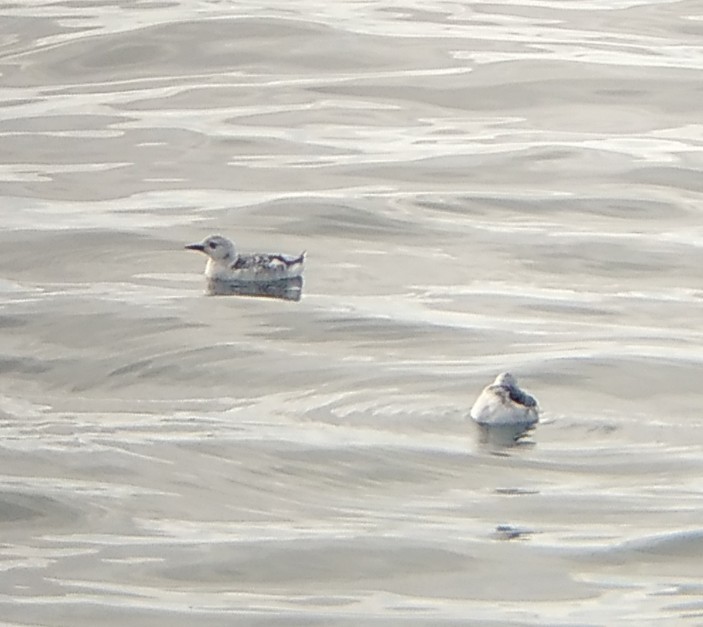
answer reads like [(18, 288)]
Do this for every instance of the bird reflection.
[(283, 289), (503, 436)]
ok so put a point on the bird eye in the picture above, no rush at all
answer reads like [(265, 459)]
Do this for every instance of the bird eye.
[(212, 245)]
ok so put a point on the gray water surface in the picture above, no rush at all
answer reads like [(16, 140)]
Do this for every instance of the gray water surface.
[(480, 187)]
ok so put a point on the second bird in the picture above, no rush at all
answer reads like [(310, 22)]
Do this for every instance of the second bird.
[(504, 403)]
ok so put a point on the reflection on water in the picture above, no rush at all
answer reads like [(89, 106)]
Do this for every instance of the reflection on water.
[(283, 289), (504, 435)]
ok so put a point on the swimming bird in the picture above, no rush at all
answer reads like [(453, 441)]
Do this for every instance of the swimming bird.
[(226, 264), (503, 403)]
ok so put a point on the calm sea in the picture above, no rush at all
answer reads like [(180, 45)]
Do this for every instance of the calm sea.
[(480, 187)]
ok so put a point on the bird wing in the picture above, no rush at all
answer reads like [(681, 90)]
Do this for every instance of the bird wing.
[(521, 398), (265, 260)]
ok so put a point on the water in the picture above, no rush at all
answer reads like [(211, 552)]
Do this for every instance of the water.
[(479, 187)]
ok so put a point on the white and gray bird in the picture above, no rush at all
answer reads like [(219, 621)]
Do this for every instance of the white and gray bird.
[(504, 403), (226, 264)]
